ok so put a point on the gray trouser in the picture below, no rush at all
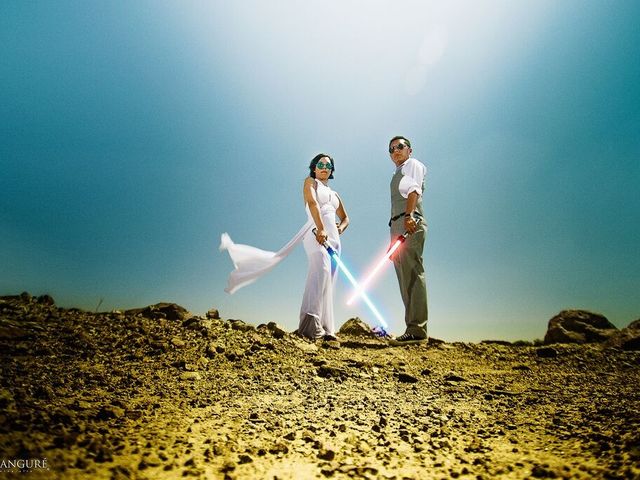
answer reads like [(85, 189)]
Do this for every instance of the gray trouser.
[(411, 278)]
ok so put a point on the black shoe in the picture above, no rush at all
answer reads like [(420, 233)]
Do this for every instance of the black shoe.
[(330, 338), (407, 339)]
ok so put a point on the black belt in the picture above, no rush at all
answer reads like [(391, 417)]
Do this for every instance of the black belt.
[(393, 219)]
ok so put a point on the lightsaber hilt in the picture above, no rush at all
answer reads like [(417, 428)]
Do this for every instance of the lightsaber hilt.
[(325, 244), (401, 239)]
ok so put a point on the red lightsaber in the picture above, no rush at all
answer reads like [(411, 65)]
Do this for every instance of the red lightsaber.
[(383, 261)]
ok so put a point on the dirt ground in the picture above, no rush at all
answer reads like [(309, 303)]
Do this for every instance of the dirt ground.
[(156, 393)]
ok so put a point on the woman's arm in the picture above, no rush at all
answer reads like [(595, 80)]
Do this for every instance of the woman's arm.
[(310, 199), (342, 215)]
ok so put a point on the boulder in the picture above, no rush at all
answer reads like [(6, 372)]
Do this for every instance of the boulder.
[(579, 326), (357, 328), (628, 338)]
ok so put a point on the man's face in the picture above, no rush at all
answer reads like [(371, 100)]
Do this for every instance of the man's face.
[(399, 151)]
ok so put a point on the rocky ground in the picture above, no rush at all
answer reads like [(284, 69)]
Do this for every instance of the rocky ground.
[(158, 393)]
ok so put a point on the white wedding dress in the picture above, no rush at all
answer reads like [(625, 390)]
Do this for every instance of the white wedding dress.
[(250, 263), (316, 311)]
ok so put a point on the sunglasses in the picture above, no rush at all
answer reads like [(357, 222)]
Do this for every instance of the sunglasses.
[(400, 146), (322, 166)]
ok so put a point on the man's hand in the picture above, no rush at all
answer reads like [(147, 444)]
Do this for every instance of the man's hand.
[(411, 225)]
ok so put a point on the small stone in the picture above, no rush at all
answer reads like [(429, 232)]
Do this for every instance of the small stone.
[(279, 448), (406, 378), (540, 471), (241, 326), (276, 330), (523, 368), (326, 454), (110, 412)]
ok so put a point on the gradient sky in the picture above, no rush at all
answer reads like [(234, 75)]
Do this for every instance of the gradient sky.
[(134, 133)]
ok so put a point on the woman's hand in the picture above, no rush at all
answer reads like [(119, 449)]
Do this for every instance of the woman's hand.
[(321, 236), (342, 215)]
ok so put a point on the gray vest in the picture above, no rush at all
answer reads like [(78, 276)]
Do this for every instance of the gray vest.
[(398, 202)]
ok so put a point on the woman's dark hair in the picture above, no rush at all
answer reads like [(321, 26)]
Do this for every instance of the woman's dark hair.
[(400, 137), (314, 162)]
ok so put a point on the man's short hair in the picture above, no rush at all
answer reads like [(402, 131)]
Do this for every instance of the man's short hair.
[(400, 137)]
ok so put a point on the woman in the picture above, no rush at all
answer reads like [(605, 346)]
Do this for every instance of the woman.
[(322, 205)]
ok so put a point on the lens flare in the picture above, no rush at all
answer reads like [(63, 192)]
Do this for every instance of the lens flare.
[(353, 281), (383, 261)]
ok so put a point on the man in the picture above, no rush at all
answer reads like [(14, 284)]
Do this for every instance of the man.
[(407, 185)]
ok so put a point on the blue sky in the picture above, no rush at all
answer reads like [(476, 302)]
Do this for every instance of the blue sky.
[(134, 134)]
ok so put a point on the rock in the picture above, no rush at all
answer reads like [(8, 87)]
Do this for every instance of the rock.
[(213, 314), (406, 378), (276, 330), (278, 448), (192, 376), (46, 300), (496, 342), (331, 344), (107, 413), (306, 346), (192, 323), (357, 328), (521, 367), (547, 352), (211, 350), (326, 454), (170, 311), (628, 338), (241, 326), (540, 471), (579, 326), (326, 371)]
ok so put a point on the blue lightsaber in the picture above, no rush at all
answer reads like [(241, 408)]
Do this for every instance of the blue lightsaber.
[(332, 253)]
